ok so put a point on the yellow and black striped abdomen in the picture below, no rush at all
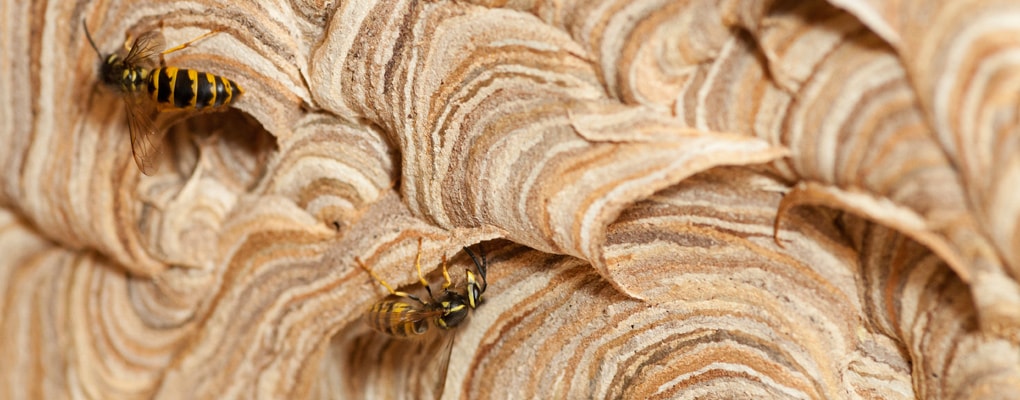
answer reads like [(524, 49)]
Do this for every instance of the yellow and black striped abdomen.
[(181, 88), (397, 318)]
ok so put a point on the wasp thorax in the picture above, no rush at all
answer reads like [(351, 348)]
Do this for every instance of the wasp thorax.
[(454, 311), (116, 73)]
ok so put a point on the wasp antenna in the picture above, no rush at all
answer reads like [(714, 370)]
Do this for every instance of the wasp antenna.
[(92, 42), (481, 266)]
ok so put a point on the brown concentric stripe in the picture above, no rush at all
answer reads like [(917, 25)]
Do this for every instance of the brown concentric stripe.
[(839, 97), (913, 295), (719, 324), (419, 366), (360, 168), (507, 118), (470, 115), (716, 220), (962, 59)]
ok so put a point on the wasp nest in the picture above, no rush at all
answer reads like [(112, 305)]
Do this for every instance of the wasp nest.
[(721, 199)]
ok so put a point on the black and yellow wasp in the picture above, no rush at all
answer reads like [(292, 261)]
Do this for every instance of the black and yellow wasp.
[(401, 318), (407, 316), (149, 87)]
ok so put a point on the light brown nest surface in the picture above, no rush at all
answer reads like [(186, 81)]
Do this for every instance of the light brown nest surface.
[(632, 156)]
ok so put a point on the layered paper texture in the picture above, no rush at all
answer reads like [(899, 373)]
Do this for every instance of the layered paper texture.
[(677, 199)]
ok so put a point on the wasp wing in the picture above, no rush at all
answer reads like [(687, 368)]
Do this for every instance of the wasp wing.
[(411, 314), (146, 140), (442, 365), (143, 51)]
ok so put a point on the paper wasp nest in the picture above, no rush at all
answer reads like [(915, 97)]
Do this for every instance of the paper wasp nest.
[(633, 158)]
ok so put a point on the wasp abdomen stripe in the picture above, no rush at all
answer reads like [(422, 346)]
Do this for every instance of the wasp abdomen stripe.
[(390, 317), (221, 92), (205, 90), (163, 78), (173, 87), (184, 88), (229, 89)]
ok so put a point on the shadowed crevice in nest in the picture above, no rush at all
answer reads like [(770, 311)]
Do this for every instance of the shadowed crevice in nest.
[(234, 142)]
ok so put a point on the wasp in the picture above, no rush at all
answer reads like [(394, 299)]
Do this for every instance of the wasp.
[(149, 88), (409, 315)]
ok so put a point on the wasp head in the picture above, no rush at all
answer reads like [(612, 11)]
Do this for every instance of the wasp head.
[(455, 310), (111, 67), (112, 70)]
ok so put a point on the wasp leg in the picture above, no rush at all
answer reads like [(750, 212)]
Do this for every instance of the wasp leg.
[(446, 275), (184, 45), (386, 285), (421, 278)]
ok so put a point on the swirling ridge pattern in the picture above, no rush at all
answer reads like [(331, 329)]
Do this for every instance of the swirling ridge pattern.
[(698, 199)]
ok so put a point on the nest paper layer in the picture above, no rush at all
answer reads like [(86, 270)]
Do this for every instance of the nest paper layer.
[(721, 199)]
